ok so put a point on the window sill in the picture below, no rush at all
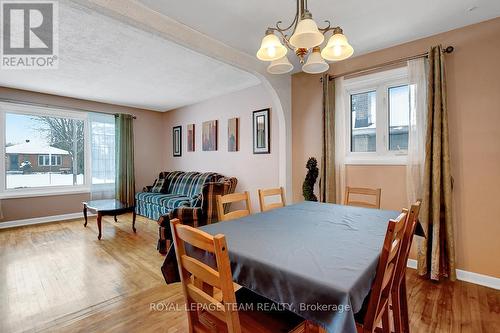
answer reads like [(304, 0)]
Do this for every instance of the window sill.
[(30, 193), (387, 160)]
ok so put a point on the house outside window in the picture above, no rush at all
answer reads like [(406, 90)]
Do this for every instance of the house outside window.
[(49, 151), (45, 149)]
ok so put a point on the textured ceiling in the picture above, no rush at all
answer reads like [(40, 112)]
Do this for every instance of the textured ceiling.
[(105, 60), (369, 25)]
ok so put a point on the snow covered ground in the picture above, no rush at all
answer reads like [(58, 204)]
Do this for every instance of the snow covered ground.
[(40, 180)]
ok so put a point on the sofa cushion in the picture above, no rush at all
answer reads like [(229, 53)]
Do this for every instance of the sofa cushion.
[(189, 184), (160, 186), (164, 200)]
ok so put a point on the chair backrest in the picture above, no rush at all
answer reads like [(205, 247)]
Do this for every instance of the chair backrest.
[(386, 268), (196, 274), (406, 244), (359, 191), (268, 193), (229, 199)]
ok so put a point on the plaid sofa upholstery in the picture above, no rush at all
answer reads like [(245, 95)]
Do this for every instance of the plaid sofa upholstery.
[(190, 197)]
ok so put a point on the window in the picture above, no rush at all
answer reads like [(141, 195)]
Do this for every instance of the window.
[(102, 133), (43, 160), (48, 160), (49, 150), (378, 117), (363, 122), (399, 117), (41, 142)]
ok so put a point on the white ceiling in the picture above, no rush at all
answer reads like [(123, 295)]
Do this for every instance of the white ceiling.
[(369, 25), (105, 60)]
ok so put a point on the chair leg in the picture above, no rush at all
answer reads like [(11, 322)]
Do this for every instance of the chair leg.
[(396, 311), (403, 299)]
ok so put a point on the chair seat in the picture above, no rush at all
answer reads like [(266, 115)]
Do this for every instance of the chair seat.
[(254, 318)]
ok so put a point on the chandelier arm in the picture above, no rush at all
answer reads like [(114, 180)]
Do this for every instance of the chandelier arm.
[(328, 28), (294, 22), (284, 39)]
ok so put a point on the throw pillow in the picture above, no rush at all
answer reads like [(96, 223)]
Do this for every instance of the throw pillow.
[(159, 186)]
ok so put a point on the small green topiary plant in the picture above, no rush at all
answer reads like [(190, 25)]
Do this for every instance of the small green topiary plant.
[(312, 175)]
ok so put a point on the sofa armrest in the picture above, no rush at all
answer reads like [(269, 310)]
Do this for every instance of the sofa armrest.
[(225, 185), (191, 216)]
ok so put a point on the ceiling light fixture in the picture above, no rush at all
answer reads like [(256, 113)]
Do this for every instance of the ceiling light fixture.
[(305, 41)]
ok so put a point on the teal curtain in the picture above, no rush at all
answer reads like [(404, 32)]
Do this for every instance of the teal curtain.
[(124, 143)]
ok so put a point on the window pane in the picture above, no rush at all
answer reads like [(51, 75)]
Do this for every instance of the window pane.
[(43, 151), (399, 117), (103, 148), (363, 122)]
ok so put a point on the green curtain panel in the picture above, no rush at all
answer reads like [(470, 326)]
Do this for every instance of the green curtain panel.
[(125, 175), (436, 252), (327, 176)]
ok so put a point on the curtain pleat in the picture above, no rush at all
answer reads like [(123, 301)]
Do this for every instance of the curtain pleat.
[(417, 129), (125, 174), (436, 252), (327, 177)]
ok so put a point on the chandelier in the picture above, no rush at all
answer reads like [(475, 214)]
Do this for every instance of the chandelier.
[(305, 41)]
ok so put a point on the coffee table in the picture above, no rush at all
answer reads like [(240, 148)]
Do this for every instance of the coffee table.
[(109, 207)]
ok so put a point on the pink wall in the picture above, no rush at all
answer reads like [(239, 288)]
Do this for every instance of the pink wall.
[(253, 171), (473, 78)]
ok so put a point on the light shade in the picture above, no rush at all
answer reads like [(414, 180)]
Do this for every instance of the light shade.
[(315, 64), (280, 66), (337, 48), (306, 35), (271, 48)]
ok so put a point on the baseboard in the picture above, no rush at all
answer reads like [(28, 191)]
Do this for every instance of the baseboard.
[(39, 220), (480, 279)]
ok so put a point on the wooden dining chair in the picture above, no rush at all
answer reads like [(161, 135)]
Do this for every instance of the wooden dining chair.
[(209, 312), (268, 193), (398, 292), (377, 309), (229, 199), (359, 191)]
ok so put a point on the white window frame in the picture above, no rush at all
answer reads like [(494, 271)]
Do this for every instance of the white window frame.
[(29, 109), (379, 82), (57, 158)]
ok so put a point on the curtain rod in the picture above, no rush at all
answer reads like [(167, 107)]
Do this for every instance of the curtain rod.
[(13, 101), (448, 49)]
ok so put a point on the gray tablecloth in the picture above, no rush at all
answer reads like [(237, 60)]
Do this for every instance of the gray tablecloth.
[(306, 255)]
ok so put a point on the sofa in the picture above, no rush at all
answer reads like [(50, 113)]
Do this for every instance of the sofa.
[(188, 196)]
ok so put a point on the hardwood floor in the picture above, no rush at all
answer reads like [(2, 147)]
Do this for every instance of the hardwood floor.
[(58, 277)]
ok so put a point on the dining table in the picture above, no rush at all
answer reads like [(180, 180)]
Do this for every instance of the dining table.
[(317, 259)]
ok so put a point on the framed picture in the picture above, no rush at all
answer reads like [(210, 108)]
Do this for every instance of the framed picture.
[(233, 134), (261, 132), (209, 135), (177, 141), (190, 137)]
